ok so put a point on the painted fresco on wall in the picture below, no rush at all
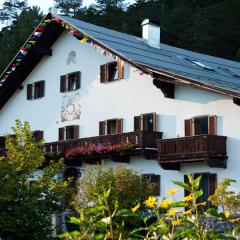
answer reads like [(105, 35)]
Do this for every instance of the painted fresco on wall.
[(71, 108)]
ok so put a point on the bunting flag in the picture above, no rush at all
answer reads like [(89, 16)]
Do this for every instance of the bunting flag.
[(32, 42), (76, 33), (85, 39), (37, 34), (25, 49)]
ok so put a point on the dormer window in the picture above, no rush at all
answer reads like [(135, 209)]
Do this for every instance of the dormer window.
[(70, 82), (111, 71), (200, 64)]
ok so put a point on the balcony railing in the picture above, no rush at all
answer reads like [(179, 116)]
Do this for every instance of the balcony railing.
[(201, 148), (141, 140)]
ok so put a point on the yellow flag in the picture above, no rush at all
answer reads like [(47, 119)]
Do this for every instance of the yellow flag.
[(47, 20), (85, 39), (32, 42)]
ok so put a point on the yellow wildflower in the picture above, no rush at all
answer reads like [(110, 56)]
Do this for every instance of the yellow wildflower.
[(187, 212), (165, 203), (188, 198), (150, 202), (234, 220), (176, 222), (171, 212), (227, 214), (172, 191), (134, 209), (200, 204)]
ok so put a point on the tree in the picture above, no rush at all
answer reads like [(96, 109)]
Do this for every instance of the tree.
[(127, 186), (26, 205), (13, 36), (11, 10), (68, 8)]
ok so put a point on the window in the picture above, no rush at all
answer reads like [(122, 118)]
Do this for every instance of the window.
[(2, 142), (112, 126), (35, 90), (200, 64), (155, 181), (208, 185), (146, 122), (70, 82), (201, 125), (111, 71), (38, 135), (231, 72), (68, 132)]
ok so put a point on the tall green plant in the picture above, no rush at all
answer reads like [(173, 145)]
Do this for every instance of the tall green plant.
[(26, 205)]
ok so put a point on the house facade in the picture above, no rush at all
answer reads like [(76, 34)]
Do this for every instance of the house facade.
[(101, 97)]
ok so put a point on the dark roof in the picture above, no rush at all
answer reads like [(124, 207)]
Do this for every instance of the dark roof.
[(180, 65), (204, 69)]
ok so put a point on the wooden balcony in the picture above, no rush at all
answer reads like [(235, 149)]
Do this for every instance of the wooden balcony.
[(144, 143), (210, 149)]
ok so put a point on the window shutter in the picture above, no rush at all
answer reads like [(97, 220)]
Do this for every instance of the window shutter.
[(154, 117), (38, 135), (29, 91), (119, 125), (78, 79), (120, 68), (102, 128), (75, 131), (104, 73), (137, 123), (61, 134), (42, 88), (212, 125), (188, 127), (63, 83), (212, 183)]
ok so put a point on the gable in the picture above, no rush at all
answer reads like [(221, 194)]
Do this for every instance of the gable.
[(167, 64)]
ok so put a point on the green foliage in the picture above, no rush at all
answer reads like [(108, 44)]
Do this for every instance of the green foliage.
[(127, 186), (13, 36), (68, 8), (101, 221), (151, 220), (226, 198), (25, 206)]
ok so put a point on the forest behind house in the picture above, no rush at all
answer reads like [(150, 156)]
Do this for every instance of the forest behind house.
[(207, 26)]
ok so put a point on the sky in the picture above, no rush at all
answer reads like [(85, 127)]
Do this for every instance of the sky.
[(46, 4)]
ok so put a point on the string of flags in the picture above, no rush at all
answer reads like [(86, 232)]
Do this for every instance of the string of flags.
[(38, 33)]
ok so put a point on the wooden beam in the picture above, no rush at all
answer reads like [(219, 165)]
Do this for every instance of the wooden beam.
[(166, 88), (42, 50), (236, 101)]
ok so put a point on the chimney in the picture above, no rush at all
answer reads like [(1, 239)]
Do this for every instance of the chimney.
[(151, 33)]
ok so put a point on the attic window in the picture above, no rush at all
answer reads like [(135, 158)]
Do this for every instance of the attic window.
[(200, 64), (111, 71), (232, 73)]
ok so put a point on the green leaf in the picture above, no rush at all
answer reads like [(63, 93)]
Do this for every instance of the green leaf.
[(178, 204), (183, 185), (75, 220)]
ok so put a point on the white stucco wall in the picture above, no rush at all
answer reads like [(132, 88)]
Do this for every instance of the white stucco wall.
[(125, 99)]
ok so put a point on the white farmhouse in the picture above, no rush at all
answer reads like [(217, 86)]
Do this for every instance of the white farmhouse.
[(101, 96)]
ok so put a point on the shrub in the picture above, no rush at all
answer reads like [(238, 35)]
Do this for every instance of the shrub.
[(127, 186)]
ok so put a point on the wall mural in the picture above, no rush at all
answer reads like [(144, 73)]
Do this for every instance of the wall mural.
[(71, 108)]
